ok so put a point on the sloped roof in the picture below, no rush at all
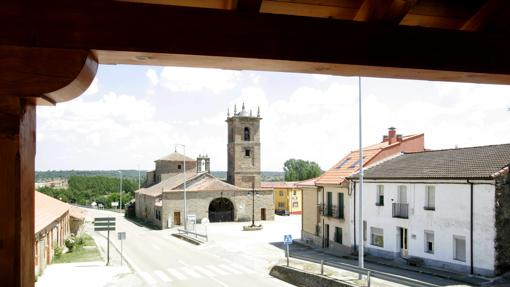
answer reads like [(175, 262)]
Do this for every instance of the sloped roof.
[(278, 184), (168, 184), (175, 156), (479, 162), (47, 210), (308, 182), (77, 212), (195, 182), (349, 164)]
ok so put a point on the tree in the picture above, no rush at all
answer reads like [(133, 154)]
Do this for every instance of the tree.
[(298, 169)]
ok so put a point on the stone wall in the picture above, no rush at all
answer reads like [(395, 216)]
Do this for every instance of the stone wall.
[(166, 169), (198, 204), (502, 208), (145, 209)]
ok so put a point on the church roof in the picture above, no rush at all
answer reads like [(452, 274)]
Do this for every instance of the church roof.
[(195, 182), (175, 156)]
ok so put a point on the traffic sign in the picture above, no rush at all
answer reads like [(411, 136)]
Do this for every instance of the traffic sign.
[(287, 239), (105, 224), (121, 235)]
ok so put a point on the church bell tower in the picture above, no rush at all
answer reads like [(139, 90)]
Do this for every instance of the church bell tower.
[(243, 148)]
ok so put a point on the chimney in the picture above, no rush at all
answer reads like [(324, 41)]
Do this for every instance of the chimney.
[(384, 138), (392, 135), (399, 138)]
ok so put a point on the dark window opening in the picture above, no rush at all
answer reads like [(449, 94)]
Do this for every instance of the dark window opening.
[(246, 134), (178, 166), (246, 152)]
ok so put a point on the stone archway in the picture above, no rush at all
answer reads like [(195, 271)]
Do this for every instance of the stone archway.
[(221, 210)]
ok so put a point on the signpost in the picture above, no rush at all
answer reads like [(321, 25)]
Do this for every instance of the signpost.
[(121, 236), (287, 240), (105, 224)]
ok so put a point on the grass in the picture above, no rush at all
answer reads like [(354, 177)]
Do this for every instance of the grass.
[(80, 253)]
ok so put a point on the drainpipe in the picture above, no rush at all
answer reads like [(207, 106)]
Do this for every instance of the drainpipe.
[(471, 228), (354, 213), (322, 215)]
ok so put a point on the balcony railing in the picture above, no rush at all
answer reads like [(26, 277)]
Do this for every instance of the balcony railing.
[(401, 210), (331, 210)]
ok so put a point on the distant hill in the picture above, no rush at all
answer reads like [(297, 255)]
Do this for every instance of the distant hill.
[(133, 174)]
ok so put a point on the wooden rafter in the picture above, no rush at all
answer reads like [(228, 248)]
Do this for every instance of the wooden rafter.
[(388, 11), (482, 16)]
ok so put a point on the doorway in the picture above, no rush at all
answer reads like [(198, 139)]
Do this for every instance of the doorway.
[(262, 214), (326, 236), (221, 210), (402, 234), (177, 218)]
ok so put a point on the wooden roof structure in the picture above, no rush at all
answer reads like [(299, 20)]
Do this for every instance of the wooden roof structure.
[(50, 51)]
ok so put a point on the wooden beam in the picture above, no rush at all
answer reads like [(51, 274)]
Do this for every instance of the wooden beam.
[(17, 157), (387, 11), (480, 19), (52, 75), (314, 43), (248, 6)]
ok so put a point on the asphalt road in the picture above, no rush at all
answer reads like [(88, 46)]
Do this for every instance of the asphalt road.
[(159, 259)]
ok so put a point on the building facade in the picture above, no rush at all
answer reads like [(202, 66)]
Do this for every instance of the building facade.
[(51, 229), (288, 197), (161, 201), (310, 220), (438, 207), (335, 199), (243, 148)]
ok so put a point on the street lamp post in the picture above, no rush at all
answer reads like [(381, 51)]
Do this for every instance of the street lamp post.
[(184, 172), (120, 190), (361, 253), (252, 204)]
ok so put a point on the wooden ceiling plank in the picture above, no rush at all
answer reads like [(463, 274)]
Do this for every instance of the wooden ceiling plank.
[(479, 20), (387, 11), (308, 10)]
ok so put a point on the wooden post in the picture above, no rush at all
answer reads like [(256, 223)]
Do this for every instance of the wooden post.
[(29, 76), (17, 175)]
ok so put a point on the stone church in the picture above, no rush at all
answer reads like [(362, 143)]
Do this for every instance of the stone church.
[(161, 200)]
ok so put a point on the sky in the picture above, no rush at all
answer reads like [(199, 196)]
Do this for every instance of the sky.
[(133, 115)]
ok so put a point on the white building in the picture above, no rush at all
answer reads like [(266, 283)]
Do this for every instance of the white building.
[(437, 207)]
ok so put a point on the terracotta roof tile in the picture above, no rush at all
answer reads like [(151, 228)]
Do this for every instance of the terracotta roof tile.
[(47, 210)]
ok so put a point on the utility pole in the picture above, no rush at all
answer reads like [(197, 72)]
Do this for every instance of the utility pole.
[(361, 245), (253, 203), (120, 190)]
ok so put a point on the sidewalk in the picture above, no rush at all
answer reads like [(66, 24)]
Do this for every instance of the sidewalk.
[(304, 251)]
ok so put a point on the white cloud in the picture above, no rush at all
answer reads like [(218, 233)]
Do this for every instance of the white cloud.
[(93, 88), (181, 79), (152, 76)]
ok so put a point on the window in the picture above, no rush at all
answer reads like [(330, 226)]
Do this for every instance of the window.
[(459, 248), (430, 203), (342, 163), (281, 205), (281, 193), (246, 152), (429, 242), (158, 214), (338, 235), (247, 134), (329, 209), (294, 192), (178, 166), (340, 205), (377, 236), (402, 194), (295, 204), (379, 201)]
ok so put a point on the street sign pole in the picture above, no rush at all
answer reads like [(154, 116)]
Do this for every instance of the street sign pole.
[(121, 236), (287, 254), (121, 252), (105, 224), (108, 246)]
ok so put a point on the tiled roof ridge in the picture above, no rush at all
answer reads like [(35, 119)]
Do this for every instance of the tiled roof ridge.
[(376, 147), (460, 148)]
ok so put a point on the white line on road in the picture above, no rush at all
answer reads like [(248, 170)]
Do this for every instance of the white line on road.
[(216, 269), (219, 282), (162, 276), (229, 269), (205, 271), (147, 277), (191, 272), (242, 268), (176, 274)]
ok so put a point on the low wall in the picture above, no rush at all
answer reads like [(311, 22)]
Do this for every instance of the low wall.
[(300, 278)]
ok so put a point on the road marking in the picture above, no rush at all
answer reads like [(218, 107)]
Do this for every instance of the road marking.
[(191, 272), (148, 278), (162, 276), (229, 269), (176, 274), (216, 269), (242, 268), (219, 282), (204, 270)]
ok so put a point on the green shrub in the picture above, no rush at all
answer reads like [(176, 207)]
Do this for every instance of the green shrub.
[(70, 243), (79, 241), (58, 252)]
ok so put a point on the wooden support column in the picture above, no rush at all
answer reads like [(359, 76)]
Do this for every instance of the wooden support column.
[(29, 76), (17, 175)]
